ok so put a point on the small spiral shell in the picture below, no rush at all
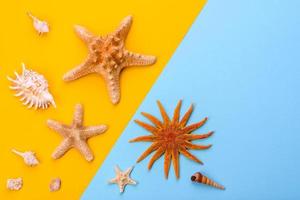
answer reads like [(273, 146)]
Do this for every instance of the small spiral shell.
[(55, 185), (200, 178), (14, 183), (28, 157), (39, 25), (32, 88)]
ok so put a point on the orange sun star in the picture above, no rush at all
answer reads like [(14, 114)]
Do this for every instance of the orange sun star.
[(171, 138)]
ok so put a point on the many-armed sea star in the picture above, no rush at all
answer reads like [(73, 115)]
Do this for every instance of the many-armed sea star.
[(171, 137)]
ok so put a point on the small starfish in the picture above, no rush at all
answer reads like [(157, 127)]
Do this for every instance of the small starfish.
[(75, 135), (108, 57), (123, 178)]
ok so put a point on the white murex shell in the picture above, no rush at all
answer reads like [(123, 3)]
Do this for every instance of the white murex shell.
[(32, 88)]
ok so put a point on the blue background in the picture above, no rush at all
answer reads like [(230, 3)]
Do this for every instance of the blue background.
[(239, 65)]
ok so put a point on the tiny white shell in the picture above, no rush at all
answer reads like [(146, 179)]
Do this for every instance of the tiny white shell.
[(32, 88), (39, 25), (28, 157), (14, 183), (55, 184)]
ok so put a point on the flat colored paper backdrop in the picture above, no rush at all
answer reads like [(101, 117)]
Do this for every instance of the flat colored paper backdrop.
[(238, 65)]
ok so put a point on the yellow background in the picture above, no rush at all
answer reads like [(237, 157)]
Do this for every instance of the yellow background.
[(158, 27)]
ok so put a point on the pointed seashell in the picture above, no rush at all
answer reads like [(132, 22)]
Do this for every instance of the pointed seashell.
[(28, 157), (55, 184), (200, 178), (39, 25), (14, 184), (32, 88)]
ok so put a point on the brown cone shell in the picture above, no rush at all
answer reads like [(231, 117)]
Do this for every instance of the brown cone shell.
[(200, 178)]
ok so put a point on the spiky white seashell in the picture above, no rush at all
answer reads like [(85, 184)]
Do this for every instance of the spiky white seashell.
[(39, 25), (14, 183), (28, 157), (32, 88)]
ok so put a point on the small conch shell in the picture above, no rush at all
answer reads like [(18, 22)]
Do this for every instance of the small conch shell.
[(32, 88), (55, 184), (28, 156), (200, 178), (14, 183), (39, 25)]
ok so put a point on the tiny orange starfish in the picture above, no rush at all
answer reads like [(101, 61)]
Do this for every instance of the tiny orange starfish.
[(171, 138), (108, 57)]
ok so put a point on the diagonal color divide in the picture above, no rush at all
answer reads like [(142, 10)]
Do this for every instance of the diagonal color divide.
[(239, 65), (158, 27)]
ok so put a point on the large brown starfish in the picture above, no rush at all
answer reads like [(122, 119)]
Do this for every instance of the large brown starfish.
[(75, 135), (171, 137), (107, 57)]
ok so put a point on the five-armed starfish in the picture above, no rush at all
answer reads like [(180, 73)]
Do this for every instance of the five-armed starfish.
[(107, 57), (122, 178), (75, 135)]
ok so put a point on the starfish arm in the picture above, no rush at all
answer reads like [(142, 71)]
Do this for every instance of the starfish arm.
[(195, 146), (190, 156), (113, 86), (195, 126), (58, 127), (84, 149), (91, 131), (114, 180), (78, 116), (65, 145), (81, 70), (131, 181), (146, 126), (124, 27), (175, 162), (147, 138), (83, 33), (135, 59), (128, 171), (167, 163), (163, 113), (121, 187), (152, 148), (191, 137), (117, 170), (186, 116), (176, 113), (153, 119), (156, 156)]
